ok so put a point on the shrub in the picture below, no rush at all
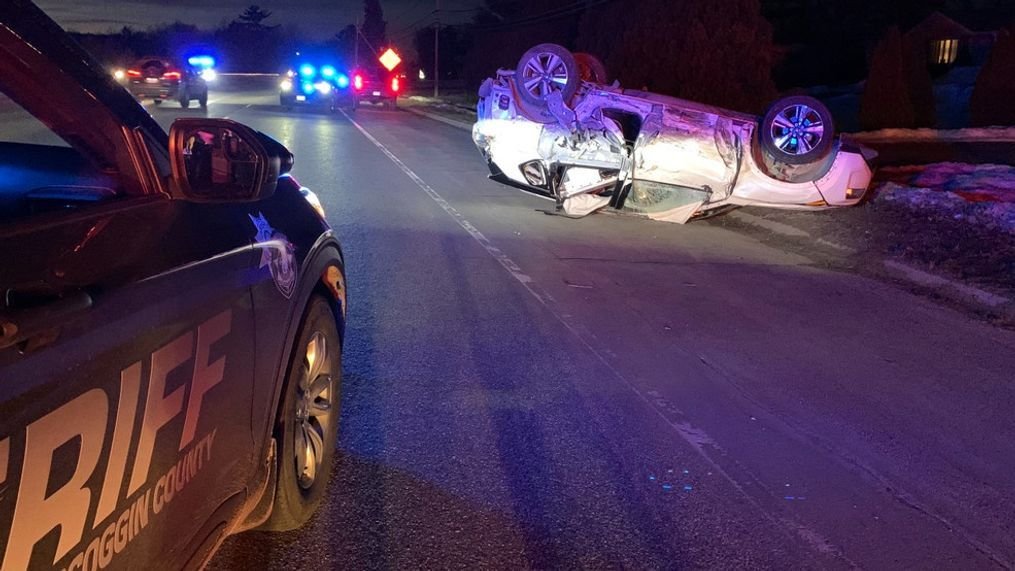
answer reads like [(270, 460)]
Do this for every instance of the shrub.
[(886, 98), (993, 100)]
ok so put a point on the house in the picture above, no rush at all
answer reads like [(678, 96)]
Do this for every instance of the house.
[(953, 55)]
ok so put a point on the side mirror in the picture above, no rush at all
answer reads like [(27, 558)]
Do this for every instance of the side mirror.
[(218, 160)]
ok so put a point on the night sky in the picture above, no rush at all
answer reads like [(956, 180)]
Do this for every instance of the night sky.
[(319, 18)]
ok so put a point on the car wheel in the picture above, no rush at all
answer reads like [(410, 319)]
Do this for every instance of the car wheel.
[(797, 130), (184, 99), (203, 100), (590, 68), (308, 419), (545, 69), (157, 101)]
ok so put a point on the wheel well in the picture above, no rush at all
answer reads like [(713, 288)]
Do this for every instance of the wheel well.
[(630, 123), (324, 291)]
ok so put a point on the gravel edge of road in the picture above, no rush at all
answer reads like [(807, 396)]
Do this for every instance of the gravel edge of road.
[(997, 306)]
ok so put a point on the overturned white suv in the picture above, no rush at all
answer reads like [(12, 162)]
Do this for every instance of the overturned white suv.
[(553, 127)]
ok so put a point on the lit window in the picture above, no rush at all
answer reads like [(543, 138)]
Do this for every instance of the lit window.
[(944, 52)]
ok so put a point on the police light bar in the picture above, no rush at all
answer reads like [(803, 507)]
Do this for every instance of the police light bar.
[(201, 61)]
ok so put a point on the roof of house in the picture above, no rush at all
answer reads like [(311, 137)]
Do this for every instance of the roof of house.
[(937, 26)]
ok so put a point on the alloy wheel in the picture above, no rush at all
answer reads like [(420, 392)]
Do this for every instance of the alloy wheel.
[(314, 408)]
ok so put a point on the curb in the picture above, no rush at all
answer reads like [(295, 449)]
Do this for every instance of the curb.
[(926, 279), (452, 122), (948, 288)]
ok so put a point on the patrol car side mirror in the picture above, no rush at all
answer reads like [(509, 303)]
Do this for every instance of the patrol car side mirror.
[(218, 160)]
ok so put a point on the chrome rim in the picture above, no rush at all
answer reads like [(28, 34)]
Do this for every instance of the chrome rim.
[(797, 129), (543, 74), (313, 410)]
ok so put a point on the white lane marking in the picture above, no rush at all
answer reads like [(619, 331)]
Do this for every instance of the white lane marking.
[(696, 438), (508, 264)]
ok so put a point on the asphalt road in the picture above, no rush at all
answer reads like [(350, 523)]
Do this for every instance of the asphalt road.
[(529, 391)]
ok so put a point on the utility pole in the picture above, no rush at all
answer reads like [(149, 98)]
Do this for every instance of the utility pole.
[(355, 44), (436, 49)]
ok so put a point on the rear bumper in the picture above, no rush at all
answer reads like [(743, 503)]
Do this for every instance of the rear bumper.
[(316, 98), (376, 96), (155, 91)]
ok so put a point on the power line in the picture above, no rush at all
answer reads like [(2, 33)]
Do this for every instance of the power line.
[(412, 26), (553, 14)]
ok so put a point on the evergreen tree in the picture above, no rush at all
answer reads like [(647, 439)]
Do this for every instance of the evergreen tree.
[(714, 52), (253, 17), (994, 94), (374, 28), (886, 100)]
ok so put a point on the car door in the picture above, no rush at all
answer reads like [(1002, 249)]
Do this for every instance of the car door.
[(126, 328), (125, 412)]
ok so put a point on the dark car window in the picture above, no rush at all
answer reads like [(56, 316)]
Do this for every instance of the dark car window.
[(40, 172), (153, 66)]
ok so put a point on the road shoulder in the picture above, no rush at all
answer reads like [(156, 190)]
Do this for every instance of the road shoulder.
[(955, 261)]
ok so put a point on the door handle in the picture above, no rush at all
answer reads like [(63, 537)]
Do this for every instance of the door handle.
[(17, 325)]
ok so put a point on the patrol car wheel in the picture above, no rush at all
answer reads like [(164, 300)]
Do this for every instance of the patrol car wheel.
[(185, 98), (308, 419), (203, 100)]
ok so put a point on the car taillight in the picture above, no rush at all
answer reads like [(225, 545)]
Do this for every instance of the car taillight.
[(133, 73), (394, 84), (357, 82), (171, 75)]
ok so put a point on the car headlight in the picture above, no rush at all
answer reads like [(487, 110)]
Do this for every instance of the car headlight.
[(286, 85), (209, 74), (323, 87), (119, 74)]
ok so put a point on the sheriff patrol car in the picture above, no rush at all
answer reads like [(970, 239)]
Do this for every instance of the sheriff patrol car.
[(171, 323)]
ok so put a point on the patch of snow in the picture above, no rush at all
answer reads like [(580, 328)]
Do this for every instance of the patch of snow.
[(983, 134), (977, 194)]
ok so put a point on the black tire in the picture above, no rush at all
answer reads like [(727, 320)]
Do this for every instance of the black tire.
[(296, 495), (157, 102), (590, 68), (203, 100), (184, 99), (544, 69), (797, 130)]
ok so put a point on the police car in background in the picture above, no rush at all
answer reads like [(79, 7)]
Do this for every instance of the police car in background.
[(311, 82), (171, 324)]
